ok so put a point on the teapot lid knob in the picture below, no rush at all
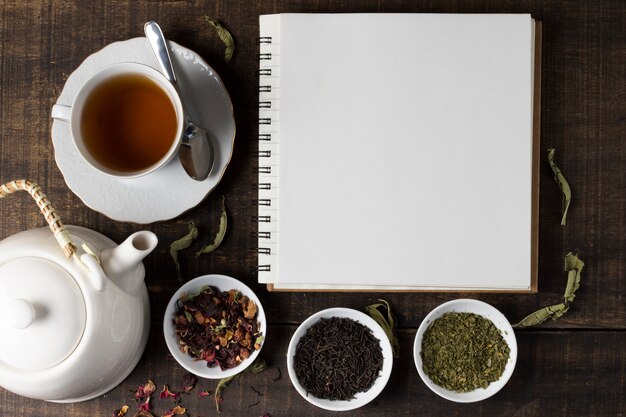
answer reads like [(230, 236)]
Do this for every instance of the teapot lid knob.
[(21, 313)]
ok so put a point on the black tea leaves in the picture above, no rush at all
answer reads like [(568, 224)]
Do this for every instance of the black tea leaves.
[(337, 358)]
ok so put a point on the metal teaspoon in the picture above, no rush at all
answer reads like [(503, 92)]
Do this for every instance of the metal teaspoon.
[(196, 149)]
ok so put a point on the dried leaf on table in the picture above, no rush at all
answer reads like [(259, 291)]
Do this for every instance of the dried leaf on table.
[(219, 236), (563, 185), (387, 322), (183, 243), (256, 367), (573, 267), (539, 316), (225, 37), (220, 387)]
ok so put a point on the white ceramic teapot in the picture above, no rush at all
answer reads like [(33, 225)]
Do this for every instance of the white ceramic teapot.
[(75, 312)]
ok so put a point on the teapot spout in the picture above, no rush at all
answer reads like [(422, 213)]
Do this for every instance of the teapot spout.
[(122, 264)]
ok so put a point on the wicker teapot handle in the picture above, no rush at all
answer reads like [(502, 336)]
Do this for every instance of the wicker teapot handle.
[(49, 212)]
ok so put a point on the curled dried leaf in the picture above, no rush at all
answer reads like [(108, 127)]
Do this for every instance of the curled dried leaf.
[(220, 387), (387, 322), (573, 267), (563, 185), (541, 315), (221, 232), (256, 367), (224, 36), (183, 243)]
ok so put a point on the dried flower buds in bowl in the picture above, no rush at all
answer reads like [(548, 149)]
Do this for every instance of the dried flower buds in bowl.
[(214, 326), (465, 350), (339, 359)]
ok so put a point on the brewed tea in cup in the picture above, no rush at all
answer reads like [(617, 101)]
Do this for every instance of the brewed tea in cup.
[(126, 120)]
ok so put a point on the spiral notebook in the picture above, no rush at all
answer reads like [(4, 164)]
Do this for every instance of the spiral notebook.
[(398, 152)]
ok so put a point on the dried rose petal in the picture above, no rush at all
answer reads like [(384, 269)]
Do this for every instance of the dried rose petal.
[(204, 393), (145, 390), (143, 413), (166, 393), (121, 412), (145, 406), (189, 381), (149, 388), (178, 410)]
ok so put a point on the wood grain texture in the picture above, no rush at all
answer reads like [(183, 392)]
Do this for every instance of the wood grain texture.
[(573, 366)]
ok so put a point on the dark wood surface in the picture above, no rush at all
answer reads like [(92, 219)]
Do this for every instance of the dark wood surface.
[(573, 366)]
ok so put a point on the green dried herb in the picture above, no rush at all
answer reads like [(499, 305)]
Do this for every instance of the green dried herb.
[(573, 267), (225, 37), (573, 264), (256, 367), (183, 243), (221, 232), (220, 386), (463, 351), (563, 185), (388, 324)]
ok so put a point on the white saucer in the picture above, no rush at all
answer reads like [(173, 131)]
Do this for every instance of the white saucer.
[(169, 191)]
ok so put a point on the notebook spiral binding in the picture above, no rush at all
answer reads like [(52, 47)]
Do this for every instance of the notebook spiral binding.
[(268, 157)]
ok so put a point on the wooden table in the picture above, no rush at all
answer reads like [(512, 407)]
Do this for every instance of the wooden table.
[(573, 366)]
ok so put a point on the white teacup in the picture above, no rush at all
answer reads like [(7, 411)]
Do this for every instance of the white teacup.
[(126, 120)]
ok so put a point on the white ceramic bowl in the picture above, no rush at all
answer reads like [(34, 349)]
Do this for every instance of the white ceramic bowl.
[(487, 311), (361, 398), (198, 367)]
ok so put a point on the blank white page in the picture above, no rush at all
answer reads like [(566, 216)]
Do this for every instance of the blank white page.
[(405, 150)]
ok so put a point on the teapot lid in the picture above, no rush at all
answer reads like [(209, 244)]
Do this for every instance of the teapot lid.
[(43, 313)]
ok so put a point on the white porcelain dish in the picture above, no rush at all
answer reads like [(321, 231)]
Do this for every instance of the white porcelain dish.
[(199, 367), (361, 398), (168, 191), (482, 309)]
